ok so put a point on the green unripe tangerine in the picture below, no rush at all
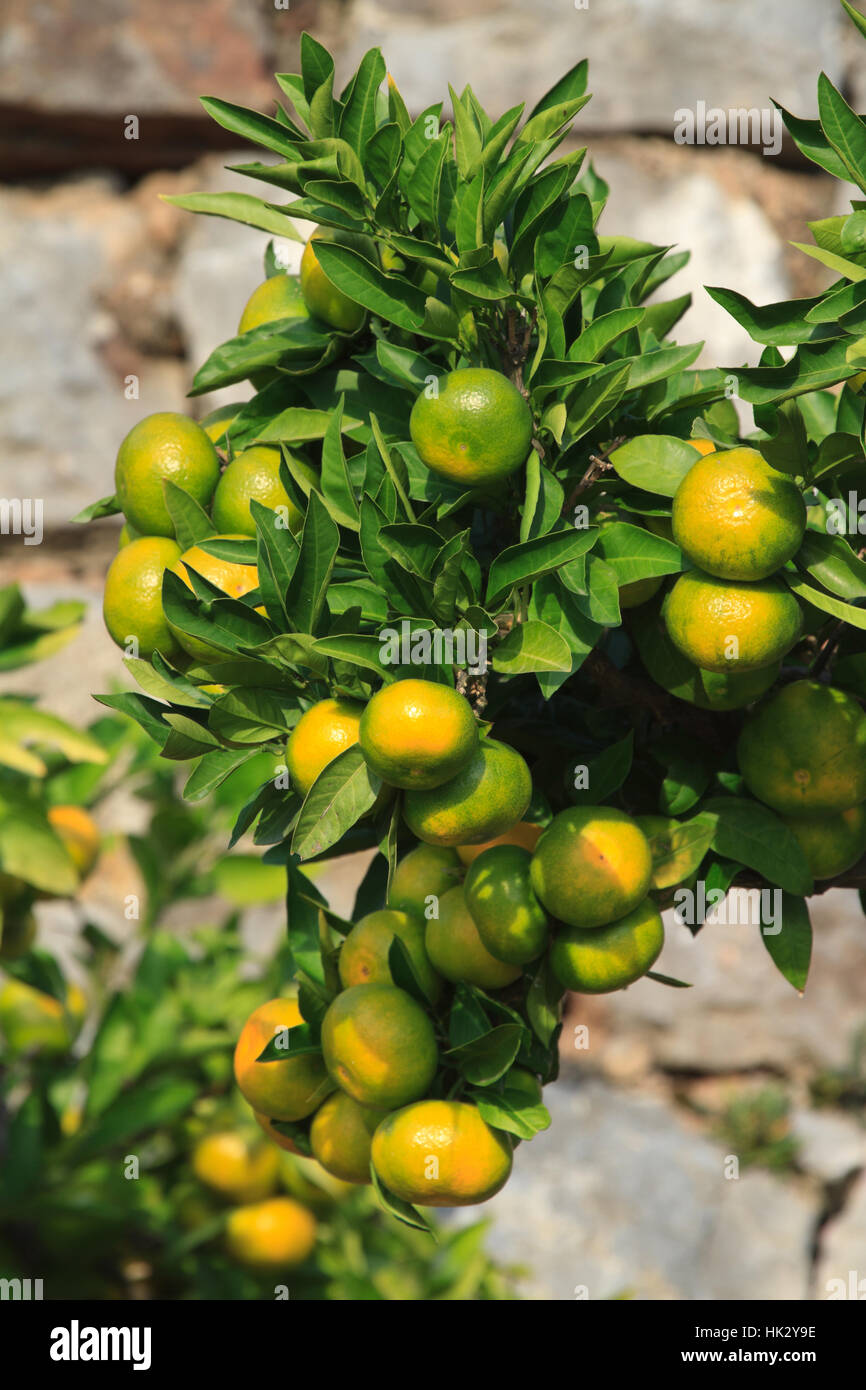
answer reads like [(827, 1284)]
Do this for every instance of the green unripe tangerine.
[(511, 922)]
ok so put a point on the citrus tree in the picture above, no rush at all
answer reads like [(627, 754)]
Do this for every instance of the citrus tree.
[(495, 573)]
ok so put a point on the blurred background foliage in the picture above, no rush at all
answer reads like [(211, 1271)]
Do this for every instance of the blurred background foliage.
[(115, 1062)]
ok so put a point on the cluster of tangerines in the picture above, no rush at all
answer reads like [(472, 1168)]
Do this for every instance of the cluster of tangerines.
[(470, 426), (738, 521), (264, 1229), (476, 903), (488, 892), (802, 750)]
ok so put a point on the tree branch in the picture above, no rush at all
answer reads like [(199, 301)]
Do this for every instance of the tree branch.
[(599, 464), (827, 649), (620, 688)]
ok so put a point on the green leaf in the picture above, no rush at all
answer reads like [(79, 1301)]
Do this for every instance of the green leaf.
[(303, 342), (605, 773), (317, 65), (146, 712), (383, 153), (295, 426), (23, 1156), (532, 646), (544, 500), (856, 16), (831, 561), (654, 462), (518, 564), (660, 317), (751, 834), (336, 486), (390, 296), (31, 851), (837, 453), (840, 264), (485, 282), (106, 506), (357, 649), (541, 193), (779, 325), (855, 616), (598, 597), (469, 224), (320, 540), (853, 234), (409, 367), (403, 972), (843, 128), (211, 770), (500, 192), (787, 447), (276, 560), (544, 1001), (396, 1207), (423, 189), (358, 118), (811, 140), (814, 366), (343, 792), (151, 1104), (496, 137), (550, 118), (24, 728), (679, 849), (251, 125), (191, 522), (165, 686), (512, 1111), (483, 1060), (634, 553), (238, 207), (598, 335), (791, 948), (221, 622), (449, 576), (566, 227), (597, 400), (569, 88), (553, 604), (413, 547), (38, 648), (668, 980), (253, 715), (467, 135), (341, 197), (661, 362)]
